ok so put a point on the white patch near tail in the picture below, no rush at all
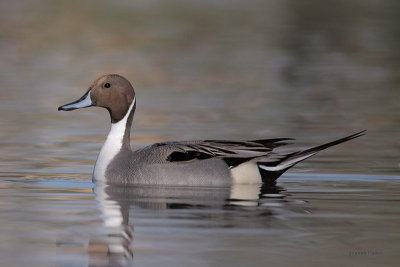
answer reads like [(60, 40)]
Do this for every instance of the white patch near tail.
[(286, 164), (246, 173)]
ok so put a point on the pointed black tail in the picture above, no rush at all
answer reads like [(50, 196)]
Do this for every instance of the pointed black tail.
[(271, 173)]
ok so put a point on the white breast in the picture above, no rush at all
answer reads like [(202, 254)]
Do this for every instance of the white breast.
[(111, 146)]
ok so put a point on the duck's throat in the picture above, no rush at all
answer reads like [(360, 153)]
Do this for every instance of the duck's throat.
[(118, 138)]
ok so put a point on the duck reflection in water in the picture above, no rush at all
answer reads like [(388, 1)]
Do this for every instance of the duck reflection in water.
[(119, 203)]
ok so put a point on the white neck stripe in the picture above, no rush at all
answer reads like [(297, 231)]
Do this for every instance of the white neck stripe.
[(112, 146)]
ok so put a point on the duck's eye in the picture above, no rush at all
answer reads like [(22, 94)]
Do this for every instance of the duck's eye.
[(107, 85)]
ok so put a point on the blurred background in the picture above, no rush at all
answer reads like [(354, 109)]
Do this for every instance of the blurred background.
[(314, 70)]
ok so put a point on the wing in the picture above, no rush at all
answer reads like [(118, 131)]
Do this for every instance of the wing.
[(232, 152), (270, 163)]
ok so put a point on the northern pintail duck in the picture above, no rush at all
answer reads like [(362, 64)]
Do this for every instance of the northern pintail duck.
[(207, 162)]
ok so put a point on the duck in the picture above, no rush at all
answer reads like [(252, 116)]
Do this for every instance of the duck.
[(181, 163)]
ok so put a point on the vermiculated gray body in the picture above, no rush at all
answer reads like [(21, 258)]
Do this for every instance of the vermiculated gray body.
[(149, 166)]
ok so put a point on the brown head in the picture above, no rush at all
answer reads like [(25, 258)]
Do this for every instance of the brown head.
[(112, 92)]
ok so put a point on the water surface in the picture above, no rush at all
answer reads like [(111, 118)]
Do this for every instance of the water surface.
[(202, 70)]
